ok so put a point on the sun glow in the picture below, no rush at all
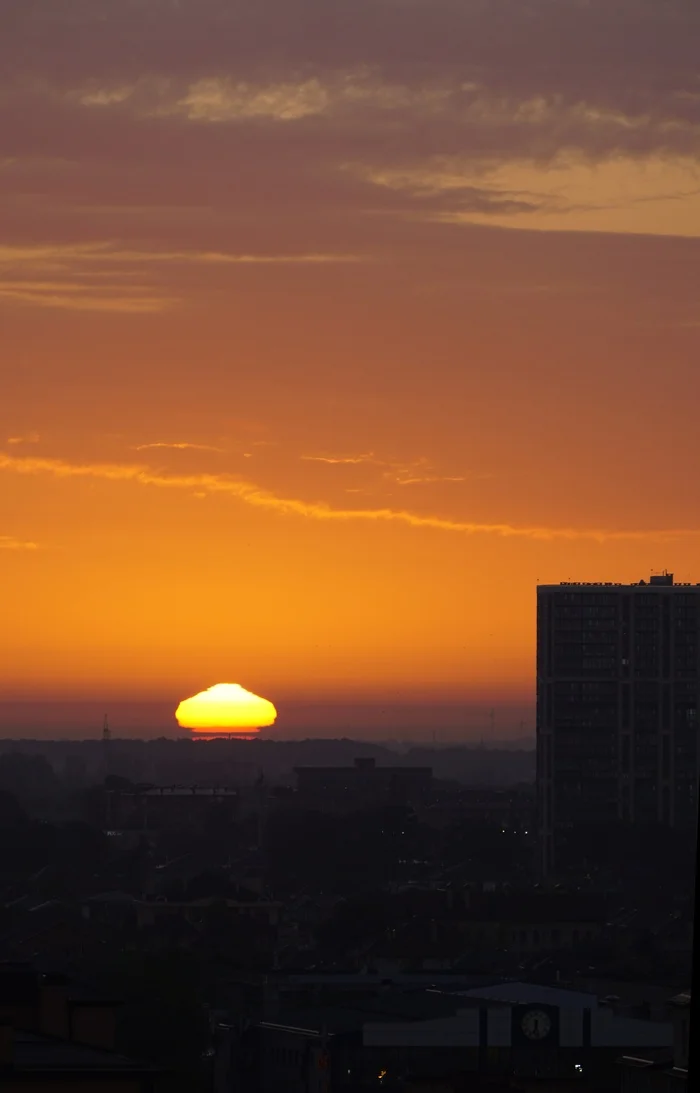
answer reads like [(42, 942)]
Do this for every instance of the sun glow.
[(225, 708)]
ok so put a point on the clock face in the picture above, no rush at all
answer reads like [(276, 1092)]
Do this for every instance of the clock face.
[(536, 1024)]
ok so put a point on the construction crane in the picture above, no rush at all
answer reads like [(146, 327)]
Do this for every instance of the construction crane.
[(106, 737)]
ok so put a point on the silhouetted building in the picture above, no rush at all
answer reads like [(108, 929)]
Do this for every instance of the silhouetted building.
[(148, 808), (142, 913), (524, 923), (618, 691), (362, 785), (512, 807), (54, 1034), (662, 1072), (502, 1037)]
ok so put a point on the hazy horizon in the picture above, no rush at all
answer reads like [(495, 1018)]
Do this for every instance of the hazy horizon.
[(450, 723)]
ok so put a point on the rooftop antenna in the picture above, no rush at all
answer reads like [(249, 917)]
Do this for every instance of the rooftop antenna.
[(106, 737), (261, 809)]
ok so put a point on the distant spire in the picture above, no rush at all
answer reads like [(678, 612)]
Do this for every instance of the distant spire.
[(106, 737)]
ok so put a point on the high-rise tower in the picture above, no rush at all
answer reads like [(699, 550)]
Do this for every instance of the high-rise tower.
[(618, 694)]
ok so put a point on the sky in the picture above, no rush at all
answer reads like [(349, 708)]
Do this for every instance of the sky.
[(329, 328)]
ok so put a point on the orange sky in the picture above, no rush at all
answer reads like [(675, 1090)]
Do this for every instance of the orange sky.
[(327, 331)]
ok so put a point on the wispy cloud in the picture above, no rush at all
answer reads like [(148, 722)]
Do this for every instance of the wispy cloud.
[(29, 438), (61, 256), (417, 472), (518, 113), (571, 193), (217, 100), (179, 445), (369, 457), (220, 99), (103, 276), (8, 542), (428, 479), (83, 297), (220, 258), (256, 496)]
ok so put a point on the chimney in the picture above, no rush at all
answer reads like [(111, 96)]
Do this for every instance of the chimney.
[(271, 999), (365, 763), (94, 1023), (53, 1007), (6, 1046)]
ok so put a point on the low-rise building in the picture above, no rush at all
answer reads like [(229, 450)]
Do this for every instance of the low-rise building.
[(517, 1035), (44, 1064), (364, 785), (524, 924), (142, 913), (662, 1072), (167, 808), (54, 1034), (513, 808)]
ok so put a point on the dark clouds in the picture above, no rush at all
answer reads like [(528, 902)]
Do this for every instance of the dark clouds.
[(244, 112), (526, 46)]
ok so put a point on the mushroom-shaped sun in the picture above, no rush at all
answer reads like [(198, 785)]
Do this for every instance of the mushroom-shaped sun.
[(225, 709)]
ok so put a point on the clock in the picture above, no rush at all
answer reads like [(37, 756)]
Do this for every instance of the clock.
[(536, 1024)]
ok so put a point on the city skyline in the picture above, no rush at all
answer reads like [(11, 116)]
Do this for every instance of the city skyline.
[(331, 330), (429, 723)]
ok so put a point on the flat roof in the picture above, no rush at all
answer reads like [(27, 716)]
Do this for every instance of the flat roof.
[(177, 791), (654, 584), (350, 1015), (33, 1051), (535, 994), (363, 770)]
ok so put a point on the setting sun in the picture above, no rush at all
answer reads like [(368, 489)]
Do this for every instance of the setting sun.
[(225, 708), (322, 354)]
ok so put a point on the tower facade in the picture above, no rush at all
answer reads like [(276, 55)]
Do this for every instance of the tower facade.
[(618, 695)]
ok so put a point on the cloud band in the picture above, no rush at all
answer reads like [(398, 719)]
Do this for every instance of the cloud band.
[(256, 496)]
